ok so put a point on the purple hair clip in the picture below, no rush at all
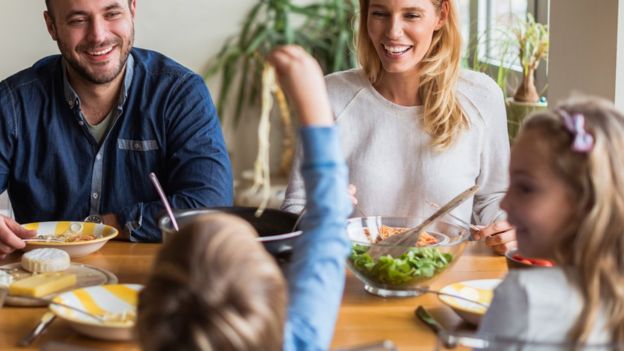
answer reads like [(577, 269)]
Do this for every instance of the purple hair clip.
[(583, 141)]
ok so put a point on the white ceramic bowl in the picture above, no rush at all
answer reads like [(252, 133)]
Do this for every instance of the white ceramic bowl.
[(117, 303), (62, 229), (480, 290)]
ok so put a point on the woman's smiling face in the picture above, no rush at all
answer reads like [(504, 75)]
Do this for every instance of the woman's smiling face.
[(402, 30)]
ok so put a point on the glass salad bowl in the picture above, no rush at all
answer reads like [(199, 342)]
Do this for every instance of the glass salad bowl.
[(410, 273)]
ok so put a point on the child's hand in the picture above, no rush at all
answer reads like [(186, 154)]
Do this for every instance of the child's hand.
[(500, 236), (302, 79)]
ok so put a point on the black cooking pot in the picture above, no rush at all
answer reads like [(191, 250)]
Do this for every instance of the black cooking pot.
[(274, 226)]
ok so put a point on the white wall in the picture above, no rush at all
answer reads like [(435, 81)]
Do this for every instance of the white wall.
[(587, 45)]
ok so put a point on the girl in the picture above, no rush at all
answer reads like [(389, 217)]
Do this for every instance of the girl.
[(566, 200), (214, 287), (414, 127)]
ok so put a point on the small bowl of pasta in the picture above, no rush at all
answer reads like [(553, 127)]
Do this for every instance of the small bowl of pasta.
[(410, 273), (78, 239), (105, 312)]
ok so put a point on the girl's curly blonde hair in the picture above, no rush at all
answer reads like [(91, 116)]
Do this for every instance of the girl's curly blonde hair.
[(592, 243)]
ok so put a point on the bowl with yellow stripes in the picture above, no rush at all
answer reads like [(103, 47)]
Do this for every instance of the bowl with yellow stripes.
[(78, 239), (104, 312), (481, 291)]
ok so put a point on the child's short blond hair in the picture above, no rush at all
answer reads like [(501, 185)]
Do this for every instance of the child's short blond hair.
[(213, 287)]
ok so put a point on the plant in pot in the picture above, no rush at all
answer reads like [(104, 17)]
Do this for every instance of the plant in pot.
[(531, 40), (524, 45), (322, 27)]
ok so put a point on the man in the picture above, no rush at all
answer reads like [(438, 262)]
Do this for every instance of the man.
[(81, 131)]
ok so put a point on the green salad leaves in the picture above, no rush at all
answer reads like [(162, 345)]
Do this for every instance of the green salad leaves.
[(415, 264)]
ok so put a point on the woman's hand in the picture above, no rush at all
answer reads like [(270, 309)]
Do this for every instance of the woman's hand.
[(302, 79), (500, 236), (352, 191)]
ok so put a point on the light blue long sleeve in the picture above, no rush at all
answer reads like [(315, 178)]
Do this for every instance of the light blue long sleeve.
[(317, 271)]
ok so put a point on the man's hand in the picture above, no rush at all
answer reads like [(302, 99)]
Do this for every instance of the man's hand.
[(111, 219), (11, 235), (500, 236), (302, 79)]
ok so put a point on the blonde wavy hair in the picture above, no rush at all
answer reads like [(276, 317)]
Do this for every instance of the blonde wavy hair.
[(213, 287), (593, 242), (443, 118)]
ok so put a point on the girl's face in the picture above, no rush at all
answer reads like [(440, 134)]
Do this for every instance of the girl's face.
[(538, 203), (401, 31)]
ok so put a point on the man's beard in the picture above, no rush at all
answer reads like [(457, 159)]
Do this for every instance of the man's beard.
[(94, 77)]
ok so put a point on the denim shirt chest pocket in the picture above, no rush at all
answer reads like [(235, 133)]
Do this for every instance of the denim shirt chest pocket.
[(137, 145)]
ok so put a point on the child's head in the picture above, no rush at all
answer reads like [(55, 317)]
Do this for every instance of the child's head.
[(566, 199), (213, 287)]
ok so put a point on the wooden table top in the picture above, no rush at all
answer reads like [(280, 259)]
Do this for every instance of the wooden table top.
[(363, 318)]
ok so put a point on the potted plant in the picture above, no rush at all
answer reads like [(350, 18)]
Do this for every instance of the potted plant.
[(525, 44), (323, 27), (531, 40)]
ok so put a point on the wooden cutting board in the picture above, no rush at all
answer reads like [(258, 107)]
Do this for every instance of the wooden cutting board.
[(85, 276)]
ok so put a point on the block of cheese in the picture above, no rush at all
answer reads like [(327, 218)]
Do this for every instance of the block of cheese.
[(42, 284), (5, 279), (45, 260)]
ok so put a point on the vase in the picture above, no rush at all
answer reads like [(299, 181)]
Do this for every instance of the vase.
[(518, 111)]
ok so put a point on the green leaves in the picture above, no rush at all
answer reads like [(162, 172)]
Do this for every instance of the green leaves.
[(414, 265), (324, 28)]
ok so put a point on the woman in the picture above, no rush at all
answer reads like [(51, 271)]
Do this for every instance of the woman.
[(414, 127)]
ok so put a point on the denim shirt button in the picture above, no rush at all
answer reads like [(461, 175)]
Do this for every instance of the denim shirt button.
[(98, 157), (95, 195), (81, 123)]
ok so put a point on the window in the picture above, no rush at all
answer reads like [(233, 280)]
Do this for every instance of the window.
[(484, 24)]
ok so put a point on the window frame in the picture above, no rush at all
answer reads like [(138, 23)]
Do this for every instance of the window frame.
[(480, 8)]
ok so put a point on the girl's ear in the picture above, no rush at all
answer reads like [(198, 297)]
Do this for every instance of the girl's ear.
[(444, 11)]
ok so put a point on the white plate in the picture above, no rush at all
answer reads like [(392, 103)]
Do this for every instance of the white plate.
[(480, 290), (102, 300), (86, 275), (101, 232)]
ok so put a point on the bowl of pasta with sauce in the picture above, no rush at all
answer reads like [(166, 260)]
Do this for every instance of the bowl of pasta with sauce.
[(410, 273), (78, 239)]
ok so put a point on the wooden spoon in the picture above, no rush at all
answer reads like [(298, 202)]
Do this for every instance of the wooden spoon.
[(397, 244)]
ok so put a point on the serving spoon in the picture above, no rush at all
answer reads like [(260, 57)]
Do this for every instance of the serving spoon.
[(397, 244)]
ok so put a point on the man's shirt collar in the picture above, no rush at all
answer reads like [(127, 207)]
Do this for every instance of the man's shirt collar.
[(73, 99)]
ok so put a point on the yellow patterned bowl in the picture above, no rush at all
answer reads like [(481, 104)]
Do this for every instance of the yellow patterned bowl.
[(116, 304), (77, 238), (480, 290)]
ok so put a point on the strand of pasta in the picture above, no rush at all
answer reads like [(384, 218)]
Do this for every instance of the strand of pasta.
[(262, 172)]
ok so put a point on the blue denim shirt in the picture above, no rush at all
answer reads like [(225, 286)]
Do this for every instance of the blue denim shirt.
[(165, 122), (317, 270)]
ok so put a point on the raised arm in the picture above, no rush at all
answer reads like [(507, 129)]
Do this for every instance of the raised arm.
[(316, 278)]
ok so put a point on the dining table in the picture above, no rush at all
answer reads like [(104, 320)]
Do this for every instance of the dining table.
[(363, 318)]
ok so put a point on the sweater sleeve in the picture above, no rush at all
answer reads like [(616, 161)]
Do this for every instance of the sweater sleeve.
[(295, 192), (493, 176), (317, 270), (507, 315)]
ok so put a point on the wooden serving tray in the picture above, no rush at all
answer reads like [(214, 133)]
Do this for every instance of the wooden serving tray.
[(85, 276)]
